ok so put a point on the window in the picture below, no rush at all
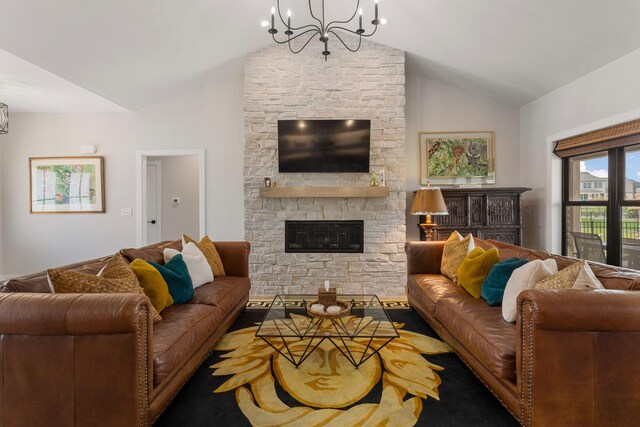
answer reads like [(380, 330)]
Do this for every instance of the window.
[(601, 206)]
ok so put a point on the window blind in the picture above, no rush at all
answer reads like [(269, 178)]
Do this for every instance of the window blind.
[(599, 140)]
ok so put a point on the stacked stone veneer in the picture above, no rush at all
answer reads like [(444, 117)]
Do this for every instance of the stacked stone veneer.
[(368, 84)]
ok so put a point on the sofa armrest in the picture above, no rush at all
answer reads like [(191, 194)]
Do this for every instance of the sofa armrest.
[(235, 257), (577, 357), (423, 257), (84, 358)]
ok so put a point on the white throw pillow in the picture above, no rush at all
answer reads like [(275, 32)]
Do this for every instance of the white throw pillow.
[(197, 264), (586, 279), (522, 278)]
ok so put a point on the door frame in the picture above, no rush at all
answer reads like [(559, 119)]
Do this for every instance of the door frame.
[(141, 183), (158, 165)]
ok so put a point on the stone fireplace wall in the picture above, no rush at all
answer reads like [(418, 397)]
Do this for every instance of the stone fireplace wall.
[(368, 84)]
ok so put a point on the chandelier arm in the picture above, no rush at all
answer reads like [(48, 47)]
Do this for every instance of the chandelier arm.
[(295, 28), (305, 45), (348, 20), (306, 26), (314, 17), (337, 27), (314, 30), (344, 44)]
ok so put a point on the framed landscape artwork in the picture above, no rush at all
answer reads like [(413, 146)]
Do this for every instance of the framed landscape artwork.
[(66, 184), (457, 157)]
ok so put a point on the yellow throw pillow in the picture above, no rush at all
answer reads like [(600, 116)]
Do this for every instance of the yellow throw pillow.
[(474, 269), (210, 253), (564, 279), (116, 277), (152, 283), (455, 250)]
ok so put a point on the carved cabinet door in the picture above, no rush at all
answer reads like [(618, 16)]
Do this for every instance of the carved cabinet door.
[(457, 207), (502, 210)]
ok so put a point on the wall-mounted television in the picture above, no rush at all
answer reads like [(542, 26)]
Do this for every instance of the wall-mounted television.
[(324, 145)]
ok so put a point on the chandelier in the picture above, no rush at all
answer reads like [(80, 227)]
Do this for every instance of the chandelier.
[(321, 28)]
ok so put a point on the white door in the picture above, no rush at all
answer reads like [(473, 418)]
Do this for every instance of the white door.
[(154, 234)]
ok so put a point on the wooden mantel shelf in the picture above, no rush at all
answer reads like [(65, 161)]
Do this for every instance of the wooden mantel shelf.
[(324, 192)]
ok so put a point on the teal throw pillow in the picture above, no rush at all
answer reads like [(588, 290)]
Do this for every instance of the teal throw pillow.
[(176, 275), (496, 281)]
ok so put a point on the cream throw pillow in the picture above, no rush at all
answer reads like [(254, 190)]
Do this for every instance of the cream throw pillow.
[(210, 253), (523, 278), (197, 264), (577, 275), (455, 251), (586, 279)]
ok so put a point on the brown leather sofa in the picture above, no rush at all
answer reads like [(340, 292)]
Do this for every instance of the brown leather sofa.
[(571, 359), (98, 359)]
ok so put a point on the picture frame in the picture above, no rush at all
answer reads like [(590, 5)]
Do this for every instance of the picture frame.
[(66, 185), (457, 158)]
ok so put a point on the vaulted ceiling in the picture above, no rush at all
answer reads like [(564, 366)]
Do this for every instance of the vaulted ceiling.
[(134, 53)]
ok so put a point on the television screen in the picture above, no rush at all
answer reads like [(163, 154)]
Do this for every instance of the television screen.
[(323, 145)]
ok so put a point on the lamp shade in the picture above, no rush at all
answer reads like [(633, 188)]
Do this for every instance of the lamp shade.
[(429, 201)]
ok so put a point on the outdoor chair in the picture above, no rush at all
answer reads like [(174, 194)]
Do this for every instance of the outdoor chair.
[(588, 246)]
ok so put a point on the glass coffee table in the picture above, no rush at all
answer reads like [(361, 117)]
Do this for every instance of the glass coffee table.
[(359, 335)]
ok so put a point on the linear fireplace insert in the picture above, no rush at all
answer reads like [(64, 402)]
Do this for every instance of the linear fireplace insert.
[(324, 236)]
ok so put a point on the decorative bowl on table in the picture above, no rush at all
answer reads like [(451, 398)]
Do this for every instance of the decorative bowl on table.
[(345, 310)]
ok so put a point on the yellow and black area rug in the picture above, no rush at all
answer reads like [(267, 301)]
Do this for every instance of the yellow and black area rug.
[(414, 380)]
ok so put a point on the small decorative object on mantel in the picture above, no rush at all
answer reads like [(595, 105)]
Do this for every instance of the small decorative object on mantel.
[(457, 157), (429, 201), (66, 184), (267, 182), (374, 180), (4, 118)]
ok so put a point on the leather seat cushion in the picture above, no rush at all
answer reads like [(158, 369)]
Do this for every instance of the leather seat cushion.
[(224, 292), (183, 329), (483, 332), (429, 288)]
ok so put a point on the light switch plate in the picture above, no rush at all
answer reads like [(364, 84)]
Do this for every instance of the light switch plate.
[(126, 211)]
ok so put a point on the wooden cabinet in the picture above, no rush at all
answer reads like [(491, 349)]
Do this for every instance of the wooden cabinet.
[(487, 213)]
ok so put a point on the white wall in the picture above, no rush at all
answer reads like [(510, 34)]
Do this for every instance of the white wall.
[(179, 178), (433, 106), (602, 98), (209, 118)]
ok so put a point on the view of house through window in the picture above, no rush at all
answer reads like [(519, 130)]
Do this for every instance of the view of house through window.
[(602, 206)]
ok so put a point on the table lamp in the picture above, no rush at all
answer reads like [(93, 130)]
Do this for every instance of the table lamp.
[(429, 201)]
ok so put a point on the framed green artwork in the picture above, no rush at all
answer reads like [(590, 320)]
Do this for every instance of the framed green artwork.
[(66, 185), (457, 157)]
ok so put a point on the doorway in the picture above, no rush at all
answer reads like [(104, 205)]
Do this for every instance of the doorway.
[(153, 218), (170, 192)]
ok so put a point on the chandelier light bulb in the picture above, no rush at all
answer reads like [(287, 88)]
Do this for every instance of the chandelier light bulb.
[(360, 11), (289, 13), (273, 10), (264, 24), (383, 21)]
